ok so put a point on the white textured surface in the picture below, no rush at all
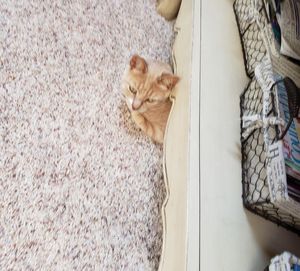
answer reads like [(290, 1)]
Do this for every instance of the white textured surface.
[(80, 186)]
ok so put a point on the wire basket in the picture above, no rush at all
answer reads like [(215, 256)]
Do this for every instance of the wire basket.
[(249, 31), (256, 192)]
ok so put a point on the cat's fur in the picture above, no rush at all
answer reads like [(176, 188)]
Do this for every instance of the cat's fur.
[(147, 86)]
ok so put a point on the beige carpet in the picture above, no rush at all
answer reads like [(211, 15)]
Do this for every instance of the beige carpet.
[(80, 187)]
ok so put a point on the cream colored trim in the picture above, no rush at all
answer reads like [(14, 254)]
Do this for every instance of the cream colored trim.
[(167, 186), (176, 155), (193, 209)]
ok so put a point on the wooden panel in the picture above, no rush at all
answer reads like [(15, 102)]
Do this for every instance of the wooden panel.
[(174, 254)]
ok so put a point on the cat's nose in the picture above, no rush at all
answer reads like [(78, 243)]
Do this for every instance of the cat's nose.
[(136, 104), (135, 107)]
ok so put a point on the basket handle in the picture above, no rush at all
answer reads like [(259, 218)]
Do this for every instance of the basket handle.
[(293, 94)]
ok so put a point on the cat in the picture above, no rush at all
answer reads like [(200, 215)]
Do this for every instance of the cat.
[(147, 86)]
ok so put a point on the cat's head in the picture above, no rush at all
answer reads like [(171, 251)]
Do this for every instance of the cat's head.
[(147, 85)]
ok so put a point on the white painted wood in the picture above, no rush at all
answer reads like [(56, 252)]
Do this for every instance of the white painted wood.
[(176, 149), (231, 238), (193, 181)]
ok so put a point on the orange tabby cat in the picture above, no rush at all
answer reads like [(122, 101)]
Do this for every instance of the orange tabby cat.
[(147, 87)]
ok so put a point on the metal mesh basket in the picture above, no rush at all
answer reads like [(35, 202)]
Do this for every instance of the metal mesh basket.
[(256, 197), (252, 43)]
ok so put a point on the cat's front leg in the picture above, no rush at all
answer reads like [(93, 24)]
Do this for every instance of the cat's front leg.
[(147, 127), (140, 121)]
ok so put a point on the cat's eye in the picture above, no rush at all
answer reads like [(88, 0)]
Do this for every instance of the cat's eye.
[(132, 90), (150, 100)]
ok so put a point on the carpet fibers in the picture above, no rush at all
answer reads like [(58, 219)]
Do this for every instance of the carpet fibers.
[(80, 186)]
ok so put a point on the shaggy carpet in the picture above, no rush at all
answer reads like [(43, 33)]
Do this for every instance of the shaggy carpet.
[(81, 187)]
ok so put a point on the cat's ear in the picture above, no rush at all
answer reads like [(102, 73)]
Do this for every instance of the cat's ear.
[(139, 64), (168, 80)]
